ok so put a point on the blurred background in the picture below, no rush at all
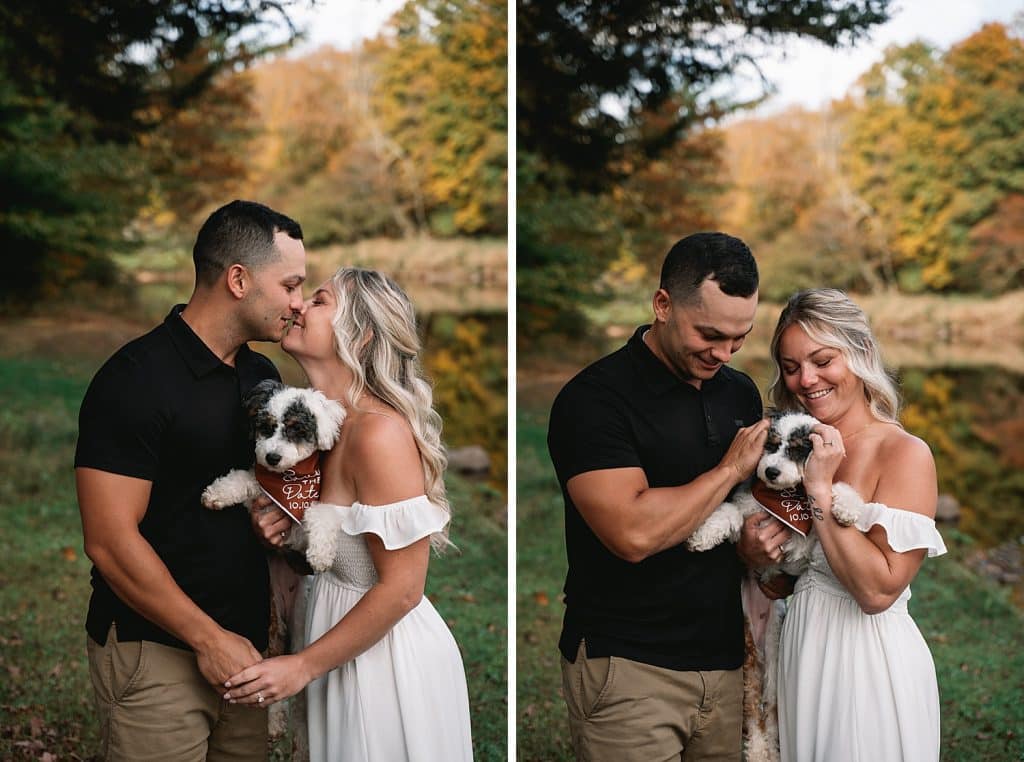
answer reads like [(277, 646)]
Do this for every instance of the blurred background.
[(381, 126), (868, 145)]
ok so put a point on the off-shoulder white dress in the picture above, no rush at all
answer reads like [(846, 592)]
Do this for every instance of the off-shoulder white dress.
[(405, 697), (855, 687)]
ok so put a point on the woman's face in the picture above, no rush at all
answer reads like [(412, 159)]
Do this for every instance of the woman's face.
[(818, 376), (312, 334)]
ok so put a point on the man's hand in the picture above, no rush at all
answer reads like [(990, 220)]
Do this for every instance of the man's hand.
[(761, 540), (746, 449), (224, 655)]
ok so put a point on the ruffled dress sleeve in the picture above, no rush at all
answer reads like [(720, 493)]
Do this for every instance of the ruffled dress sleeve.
[(904, 530), (397, 524)]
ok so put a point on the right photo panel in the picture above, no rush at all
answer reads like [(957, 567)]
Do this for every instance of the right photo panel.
[(770, 370)]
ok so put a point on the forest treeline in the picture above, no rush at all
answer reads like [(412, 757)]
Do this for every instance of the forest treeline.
[(913, 182), (125, 123)]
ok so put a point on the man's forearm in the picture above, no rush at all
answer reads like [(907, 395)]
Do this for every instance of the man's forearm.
[(139, 577), (663, 517)]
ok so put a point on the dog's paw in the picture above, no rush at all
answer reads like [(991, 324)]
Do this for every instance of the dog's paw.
[(723, 524), (846, 504), (321, 525), (213, 498)]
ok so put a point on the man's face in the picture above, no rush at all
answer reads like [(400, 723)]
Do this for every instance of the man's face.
[(697, 339), (276, 294)]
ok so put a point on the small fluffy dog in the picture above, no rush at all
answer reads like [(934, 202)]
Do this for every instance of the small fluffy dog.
[(781, 469), (290, 427), (780, 472)]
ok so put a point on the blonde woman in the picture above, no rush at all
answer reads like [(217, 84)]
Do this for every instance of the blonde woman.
[(856, 678), (385, 678)]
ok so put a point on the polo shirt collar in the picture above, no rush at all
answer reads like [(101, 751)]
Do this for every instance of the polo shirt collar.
[(653, 371), (200, 358)]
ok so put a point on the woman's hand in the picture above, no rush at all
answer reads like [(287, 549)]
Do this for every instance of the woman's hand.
[(825, 459), (269, 681), (761, 540), (270, 523)]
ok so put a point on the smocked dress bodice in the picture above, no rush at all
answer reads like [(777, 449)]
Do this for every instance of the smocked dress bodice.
[(904, 530), (396, 524)]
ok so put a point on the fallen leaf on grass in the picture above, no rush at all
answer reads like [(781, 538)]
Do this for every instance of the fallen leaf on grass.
[(541, 598), (468, 598), (68, 553)]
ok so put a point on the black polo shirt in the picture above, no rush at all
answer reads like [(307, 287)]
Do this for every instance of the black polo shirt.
[(165, 409), (676, 609)]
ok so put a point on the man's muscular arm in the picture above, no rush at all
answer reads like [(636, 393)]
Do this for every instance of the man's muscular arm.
[(635, 521), (112, 506)]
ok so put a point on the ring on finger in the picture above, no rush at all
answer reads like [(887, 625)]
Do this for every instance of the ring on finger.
[(259, 697)]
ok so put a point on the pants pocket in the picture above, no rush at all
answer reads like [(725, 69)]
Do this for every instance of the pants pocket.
[(116, 668), (596, 678)]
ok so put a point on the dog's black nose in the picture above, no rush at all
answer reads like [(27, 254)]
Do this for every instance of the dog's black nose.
[(770, 473), (273, 458)]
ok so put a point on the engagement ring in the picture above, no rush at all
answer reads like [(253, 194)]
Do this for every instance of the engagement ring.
[(259, 698), (828, 444)]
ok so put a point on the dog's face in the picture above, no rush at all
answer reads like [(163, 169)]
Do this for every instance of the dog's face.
[(786, 450), (288, 424)]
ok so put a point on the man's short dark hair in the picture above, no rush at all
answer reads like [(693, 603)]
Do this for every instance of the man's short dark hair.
[(702, 256), (241, 232)]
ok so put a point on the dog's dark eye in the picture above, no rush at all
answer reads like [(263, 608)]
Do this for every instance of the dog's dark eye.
[(772, 443), (264, 425)]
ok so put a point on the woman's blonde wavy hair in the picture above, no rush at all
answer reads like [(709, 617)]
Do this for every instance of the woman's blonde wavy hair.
[(375, 336), (829, 317)]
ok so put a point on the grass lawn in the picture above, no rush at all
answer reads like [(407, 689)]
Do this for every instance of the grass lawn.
[(45, 695), (975, 633)]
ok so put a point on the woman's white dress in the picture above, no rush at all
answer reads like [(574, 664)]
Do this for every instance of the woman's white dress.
[(405, 697), (855, 687)]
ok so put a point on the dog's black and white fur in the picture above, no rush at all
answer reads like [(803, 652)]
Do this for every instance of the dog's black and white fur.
[(781, 467), (287, 425)]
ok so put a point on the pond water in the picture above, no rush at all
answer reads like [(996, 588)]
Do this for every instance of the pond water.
[(463, 327)]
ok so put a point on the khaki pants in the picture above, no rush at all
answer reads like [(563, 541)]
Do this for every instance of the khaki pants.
[(626, 711), (154, 704)]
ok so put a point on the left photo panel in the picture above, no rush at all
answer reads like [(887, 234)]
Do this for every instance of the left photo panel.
[(253, 456)]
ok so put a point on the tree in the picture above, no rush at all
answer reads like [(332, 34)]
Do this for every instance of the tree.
[(592, 74), (616, 106), (935, 149), (442, 84), (80, 91)]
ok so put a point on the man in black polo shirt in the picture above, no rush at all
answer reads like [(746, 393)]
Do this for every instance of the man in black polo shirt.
[(180, 594), (647, 442)]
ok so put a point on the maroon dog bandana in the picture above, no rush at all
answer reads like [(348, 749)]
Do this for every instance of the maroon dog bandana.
[(295, 489), (790, 506)]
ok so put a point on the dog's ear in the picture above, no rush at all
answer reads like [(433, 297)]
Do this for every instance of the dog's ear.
[(257, 396), (329, 416)]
